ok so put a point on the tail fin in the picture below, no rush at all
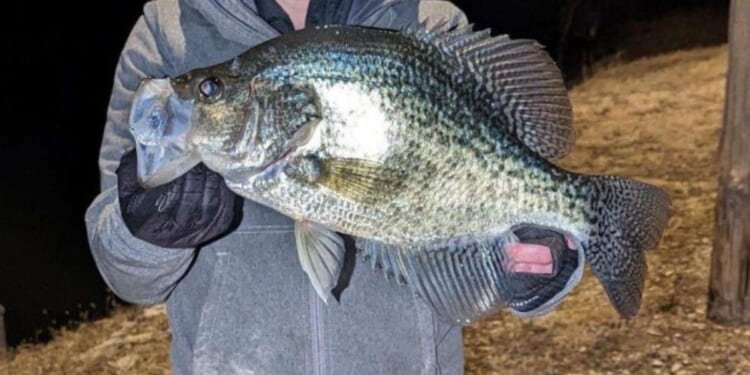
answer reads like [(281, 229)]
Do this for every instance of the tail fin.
[(628, 218)]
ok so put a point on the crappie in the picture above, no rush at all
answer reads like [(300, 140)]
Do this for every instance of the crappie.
[(428, 146)]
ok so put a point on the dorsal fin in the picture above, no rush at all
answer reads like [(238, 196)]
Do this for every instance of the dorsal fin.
[(525, 84)]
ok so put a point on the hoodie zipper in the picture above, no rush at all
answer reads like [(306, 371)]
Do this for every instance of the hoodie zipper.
[(316, 327)]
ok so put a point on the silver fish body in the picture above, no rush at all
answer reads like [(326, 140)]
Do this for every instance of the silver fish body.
[(429, 147), (416, 155)]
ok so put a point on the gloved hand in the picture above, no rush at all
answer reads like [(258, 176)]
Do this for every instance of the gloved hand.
[(544, 262), (188, 212), (550, 251)]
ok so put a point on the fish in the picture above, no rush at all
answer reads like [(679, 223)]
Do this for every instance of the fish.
[(428, 145)]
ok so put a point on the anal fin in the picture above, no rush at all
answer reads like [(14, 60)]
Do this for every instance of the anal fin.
[(462, 279)]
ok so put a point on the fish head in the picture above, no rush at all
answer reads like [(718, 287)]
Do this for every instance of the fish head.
[(199, 116)]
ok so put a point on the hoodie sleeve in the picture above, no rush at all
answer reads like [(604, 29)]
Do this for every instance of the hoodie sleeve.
[(436, 10), (135, 270)]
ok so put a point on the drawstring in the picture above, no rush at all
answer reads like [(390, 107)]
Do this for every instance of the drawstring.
[(426, 323)]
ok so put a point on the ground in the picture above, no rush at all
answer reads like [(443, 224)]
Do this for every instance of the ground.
[(657, 120)]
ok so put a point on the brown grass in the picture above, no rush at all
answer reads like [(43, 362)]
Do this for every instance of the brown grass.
[(655, 119), (133, 340)]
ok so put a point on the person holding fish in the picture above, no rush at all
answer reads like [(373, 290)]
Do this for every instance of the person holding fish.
[(172, 227)]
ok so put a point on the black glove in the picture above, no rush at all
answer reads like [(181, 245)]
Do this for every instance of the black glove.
[(188, 212)]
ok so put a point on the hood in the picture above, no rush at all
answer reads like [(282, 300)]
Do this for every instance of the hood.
[(238, 20), (235, 20)]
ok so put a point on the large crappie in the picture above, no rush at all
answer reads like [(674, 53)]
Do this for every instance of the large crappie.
[(427, 146)]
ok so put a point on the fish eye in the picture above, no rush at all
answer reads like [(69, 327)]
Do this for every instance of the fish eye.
[(210, 89)]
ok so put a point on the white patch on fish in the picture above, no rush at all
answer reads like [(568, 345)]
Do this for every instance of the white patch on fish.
[(367, 138)]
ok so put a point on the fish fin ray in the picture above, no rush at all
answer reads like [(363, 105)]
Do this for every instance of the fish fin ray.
[(630, 218), (361, 180), (321, 254), (523, 83), (460, 280)]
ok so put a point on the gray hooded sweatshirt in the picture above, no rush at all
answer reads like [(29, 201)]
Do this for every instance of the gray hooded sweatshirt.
[(243, 304)]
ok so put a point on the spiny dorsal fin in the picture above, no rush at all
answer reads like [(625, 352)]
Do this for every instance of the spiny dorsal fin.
[(525, 84)]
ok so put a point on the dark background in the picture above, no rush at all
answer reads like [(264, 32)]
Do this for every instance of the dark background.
[(58, 64)]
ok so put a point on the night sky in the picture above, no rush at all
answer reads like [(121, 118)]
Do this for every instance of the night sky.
[(58, 64)]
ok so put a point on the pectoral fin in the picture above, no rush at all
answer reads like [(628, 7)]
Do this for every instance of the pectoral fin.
[(361, 180), (357, 179), (321, 254)]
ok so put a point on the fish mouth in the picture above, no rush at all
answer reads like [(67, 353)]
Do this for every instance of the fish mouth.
[(531, 295), (160, 123)]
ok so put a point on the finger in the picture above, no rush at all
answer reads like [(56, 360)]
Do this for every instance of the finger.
[(127, 174), (190, 208), (529, 253), (195, 181), (213, 196)]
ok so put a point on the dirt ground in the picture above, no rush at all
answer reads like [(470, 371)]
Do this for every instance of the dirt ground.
[(656, 119)]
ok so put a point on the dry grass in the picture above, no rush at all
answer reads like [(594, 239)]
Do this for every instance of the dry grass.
[(132, 341), (655, 119)]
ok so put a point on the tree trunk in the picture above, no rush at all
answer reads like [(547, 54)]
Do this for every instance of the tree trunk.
[(729, 289)]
